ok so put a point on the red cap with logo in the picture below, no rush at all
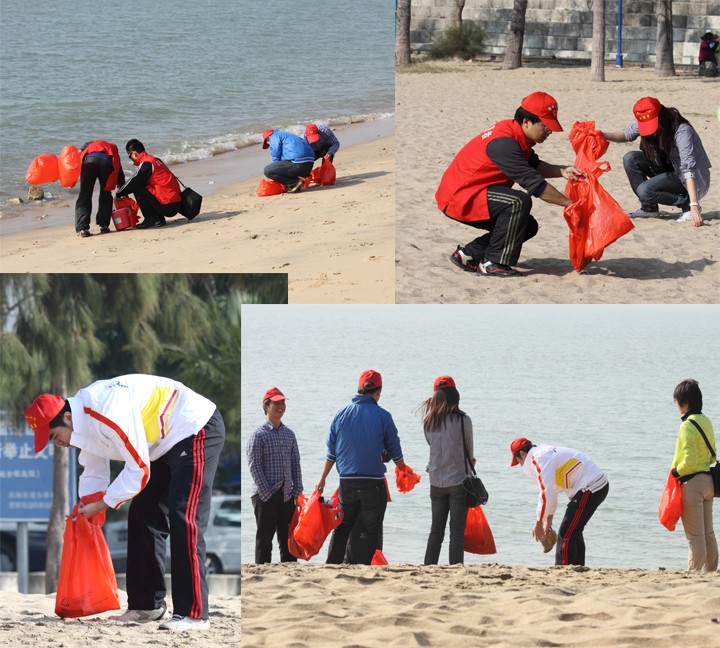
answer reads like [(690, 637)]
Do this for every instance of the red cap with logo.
[(646, 112), (369, 380), (545, 107), (519, 444), (41, 411), (312, 133), (443, 381), (265, 136), (273, 394)]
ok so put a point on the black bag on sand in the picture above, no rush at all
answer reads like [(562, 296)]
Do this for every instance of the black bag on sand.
[(714, 470), (191, 201), (475, 491)]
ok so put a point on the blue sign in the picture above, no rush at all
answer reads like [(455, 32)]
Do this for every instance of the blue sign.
[(26, 478)]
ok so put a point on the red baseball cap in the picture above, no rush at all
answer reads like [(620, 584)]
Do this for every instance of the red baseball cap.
[(370, 380), (646, 112), (545, 107), (519, 444), (312, 133), (265, 136), (41, 411), (443, 381), (273, 394)]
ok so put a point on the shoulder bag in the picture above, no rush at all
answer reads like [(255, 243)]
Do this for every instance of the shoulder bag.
[(714, 470), (475, 492), (190, 200)]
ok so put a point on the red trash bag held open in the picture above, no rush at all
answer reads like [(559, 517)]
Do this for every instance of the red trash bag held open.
[(324, 175), (69, 163), (405, 479), (316, 520), (43, 169), (478, 536), (670, 508), (269, 187), (86, 583)]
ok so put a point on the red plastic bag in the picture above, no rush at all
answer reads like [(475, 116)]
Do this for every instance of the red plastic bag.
[(86, 583), (670, 508), (324, 175), (595, 218), (378, 558), (69, 164), (126, 201), (43, 169), (293, 547), (269, 187), (315, 522), (478, 536), (406, 479)]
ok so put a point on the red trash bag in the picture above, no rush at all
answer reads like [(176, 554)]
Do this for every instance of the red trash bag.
[(316, 520), (478, 536), (324, 175), (670, 508), (69, 163), (378, 558), (293, 547), (595, 218), (43, 169), (86, 583), (269, 187), (406, 478)]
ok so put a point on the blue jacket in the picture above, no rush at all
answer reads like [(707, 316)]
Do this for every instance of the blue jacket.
[(286, 146), (358, 435)]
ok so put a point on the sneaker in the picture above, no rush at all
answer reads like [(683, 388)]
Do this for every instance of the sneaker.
[(147, 224), (686, 216), (84, 233), (183, 624), (297, 186), (463, 261), (141, 616), (104, 229), (641, 213), (496, 269)]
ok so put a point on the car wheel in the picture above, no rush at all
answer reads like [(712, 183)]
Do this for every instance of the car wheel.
[(7, 562), (213, 565)]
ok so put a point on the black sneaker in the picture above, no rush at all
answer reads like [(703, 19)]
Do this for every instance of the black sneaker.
[(463, 260), (84, 233), (496, 269), (104, 229)]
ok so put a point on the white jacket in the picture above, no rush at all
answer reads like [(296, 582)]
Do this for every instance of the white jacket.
[(560, 469), (135, 419)]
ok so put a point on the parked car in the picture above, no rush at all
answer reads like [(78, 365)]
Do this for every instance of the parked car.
[(222, 538), (37, 541)]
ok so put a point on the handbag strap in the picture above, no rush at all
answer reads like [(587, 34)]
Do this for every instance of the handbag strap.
[(468, 463), (712, 452), (171, 173)]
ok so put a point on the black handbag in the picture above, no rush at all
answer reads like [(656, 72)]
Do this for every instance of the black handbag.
[(714, 470), (191, 201), (475, 492)]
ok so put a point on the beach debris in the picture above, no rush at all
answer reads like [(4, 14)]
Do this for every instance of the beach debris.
[(16, 201), (35, 193)]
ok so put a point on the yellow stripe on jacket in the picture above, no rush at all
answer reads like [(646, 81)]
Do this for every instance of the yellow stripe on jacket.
[(565, 473), (156, 412)]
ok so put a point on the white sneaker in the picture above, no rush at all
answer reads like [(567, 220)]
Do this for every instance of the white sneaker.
[(641, 213), (183, 624), (141, 616), (686, 216)]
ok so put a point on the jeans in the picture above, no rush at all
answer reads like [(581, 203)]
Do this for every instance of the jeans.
[(443, 501), (364, 501), (287, 172), (272, 517), (654, 188), (570, 549)]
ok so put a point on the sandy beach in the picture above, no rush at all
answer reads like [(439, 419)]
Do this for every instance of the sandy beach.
[(335, 243), (481, 605), (30, 620), (441, 106)]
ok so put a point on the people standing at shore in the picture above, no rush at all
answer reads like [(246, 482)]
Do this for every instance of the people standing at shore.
[(694, 454), (292, 159), (155, 187), (359, 433), (169, 438), (565, 470), (671, 167), (323, 141), (476, 189), (447, 428), (274, 461), (100, 161)]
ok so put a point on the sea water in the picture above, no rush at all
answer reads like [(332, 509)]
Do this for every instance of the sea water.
[(189, 79), (596, 378)]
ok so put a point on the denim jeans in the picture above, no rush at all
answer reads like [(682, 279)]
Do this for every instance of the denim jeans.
[(654, 188), (287, 172), (443, 501), (364, 501)]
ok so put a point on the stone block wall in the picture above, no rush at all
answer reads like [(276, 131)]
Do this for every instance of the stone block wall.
[(563, 28)]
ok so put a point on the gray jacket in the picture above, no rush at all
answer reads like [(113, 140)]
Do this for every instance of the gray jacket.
[(446, 465)]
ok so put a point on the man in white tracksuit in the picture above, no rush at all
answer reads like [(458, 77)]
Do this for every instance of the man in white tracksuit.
[(169, 438), (562, 470)]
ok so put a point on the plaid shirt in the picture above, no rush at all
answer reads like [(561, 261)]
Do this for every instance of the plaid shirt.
[(274, 461)]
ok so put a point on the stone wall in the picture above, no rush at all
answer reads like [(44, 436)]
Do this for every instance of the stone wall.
[(563, 28)]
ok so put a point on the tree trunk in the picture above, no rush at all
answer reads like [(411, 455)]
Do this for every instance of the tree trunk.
[(456, 15), (56, 524), (597, 64), (664, 65), (402, 33), (513, 53)]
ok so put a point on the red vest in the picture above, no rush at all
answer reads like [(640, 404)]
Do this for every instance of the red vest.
[(162, 183), (462, 193), (100, 146)]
